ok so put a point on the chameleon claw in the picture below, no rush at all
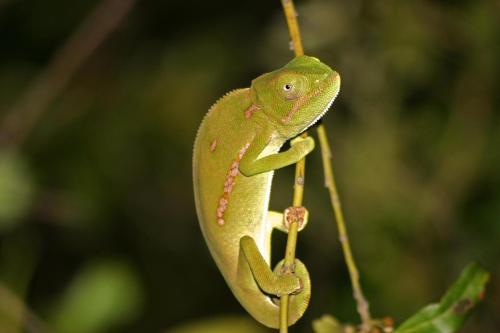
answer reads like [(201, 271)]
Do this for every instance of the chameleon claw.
[(288, 272), (287, 269), (299, 290), (305, 145), (296, 214)]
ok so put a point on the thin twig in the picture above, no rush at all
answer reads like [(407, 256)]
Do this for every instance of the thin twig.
[(24, 114), (362, 303), (298, 193), (292, 240), (293, 26)]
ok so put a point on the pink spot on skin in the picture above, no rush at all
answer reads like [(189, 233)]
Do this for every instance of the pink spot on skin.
[(229, 184), (213, 145), (242, 152), (234, 172), (250, 111)]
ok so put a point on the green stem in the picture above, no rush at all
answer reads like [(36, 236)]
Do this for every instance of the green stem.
[(362, 303), (298, 193), (293, 26)]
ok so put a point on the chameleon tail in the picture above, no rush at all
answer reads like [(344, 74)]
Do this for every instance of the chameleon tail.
[(258, 286), (266, 310), (297, 303)]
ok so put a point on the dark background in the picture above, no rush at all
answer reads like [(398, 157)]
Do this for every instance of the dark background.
[(98, 230)]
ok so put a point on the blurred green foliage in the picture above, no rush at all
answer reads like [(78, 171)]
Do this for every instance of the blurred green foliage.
[(223, 324), (103, 295), (106, 170), (16, 189)]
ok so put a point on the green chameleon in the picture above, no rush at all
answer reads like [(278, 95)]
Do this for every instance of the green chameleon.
[(235, 154)]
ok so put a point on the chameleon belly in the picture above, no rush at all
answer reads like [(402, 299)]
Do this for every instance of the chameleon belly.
[(229, 205)]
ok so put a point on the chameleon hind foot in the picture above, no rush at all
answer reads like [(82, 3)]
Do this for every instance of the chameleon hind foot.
[(299, 271), (296, 214), (270, 282)]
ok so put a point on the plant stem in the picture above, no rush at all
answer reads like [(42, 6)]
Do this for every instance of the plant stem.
[(292, 241), (293, 26), (298, 192), (362, 303)]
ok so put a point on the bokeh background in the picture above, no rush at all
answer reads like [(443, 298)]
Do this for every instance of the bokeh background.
[(99, 105)]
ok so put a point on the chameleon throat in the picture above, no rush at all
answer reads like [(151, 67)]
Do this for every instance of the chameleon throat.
[(229, 184), (303, 99)]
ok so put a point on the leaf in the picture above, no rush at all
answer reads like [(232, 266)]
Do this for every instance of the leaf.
[(449, 315), (222, 324), (16, 188), (104, 295), (327, 324)]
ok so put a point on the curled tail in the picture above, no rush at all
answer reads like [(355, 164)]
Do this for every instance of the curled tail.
[(267, 313)]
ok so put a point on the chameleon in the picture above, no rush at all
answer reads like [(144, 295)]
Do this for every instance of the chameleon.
[(236, 150)]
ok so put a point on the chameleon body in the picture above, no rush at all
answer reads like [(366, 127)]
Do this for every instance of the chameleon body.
[(235, 153)]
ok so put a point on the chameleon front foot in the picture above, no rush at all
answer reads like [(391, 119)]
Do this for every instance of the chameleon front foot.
[(296, 214)]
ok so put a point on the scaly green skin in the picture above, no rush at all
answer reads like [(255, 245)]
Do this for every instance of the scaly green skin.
[(235, 154)]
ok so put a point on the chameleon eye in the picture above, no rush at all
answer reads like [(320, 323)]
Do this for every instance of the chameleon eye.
[(287, 87)]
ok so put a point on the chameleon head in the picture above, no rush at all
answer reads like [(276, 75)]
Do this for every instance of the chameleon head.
[(295, 96)]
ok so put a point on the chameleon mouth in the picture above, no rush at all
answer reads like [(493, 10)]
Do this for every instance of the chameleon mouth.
[(327, 107), (303, 99)]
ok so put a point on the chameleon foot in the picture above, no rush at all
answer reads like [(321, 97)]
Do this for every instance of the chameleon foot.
[(296, 214)]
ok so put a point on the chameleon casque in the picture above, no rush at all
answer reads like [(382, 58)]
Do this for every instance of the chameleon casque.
[(235, 154)]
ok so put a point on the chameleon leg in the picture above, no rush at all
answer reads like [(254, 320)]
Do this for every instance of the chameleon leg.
[(281, 221), (251, 164), (269, 282)]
